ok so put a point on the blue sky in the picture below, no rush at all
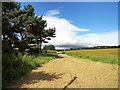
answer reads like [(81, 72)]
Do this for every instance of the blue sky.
[(96, 19)]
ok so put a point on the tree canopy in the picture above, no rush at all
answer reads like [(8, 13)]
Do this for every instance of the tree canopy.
[(22, 28), (49, 47)]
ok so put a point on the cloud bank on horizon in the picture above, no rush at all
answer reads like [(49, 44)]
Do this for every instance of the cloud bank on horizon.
[(66, 34)]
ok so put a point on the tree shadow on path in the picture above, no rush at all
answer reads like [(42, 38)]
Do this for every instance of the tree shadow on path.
[(35, 77)]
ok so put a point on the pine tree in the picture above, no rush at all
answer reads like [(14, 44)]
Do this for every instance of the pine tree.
[(9, 11), (37, 27), (14, 28), (20, 27)]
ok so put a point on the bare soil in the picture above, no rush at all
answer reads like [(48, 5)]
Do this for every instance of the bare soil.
[(70, 72)]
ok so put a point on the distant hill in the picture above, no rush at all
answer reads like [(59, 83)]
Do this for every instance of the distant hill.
[(96, 47)]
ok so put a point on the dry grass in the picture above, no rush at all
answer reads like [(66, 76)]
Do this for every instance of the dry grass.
[(102, 55)]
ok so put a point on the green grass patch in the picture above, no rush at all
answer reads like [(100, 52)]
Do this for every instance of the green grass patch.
[(104, 59), (15, 66)]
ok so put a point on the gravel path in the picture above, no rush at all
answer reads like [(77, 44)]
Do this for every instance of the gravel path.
[(70, 72)]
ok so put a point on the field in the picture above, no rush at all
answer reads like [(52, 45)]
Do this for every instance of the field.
[(101, 55)]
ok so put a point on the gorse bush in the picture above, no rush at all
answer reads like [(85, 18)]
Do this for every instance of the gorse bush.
[(15, 66)]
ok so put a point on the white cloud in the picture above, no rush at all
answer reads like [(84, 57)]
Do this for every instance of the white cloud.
[(66, 34), (108, 38), (52, 12)]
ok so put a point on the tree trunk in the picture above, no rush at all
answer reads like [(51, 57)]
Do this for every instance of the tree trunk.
[(40, 50)]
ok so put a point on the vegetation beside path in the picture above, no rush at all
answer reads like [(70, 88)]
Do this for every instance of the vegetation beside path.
[(16, 66), (23, 33), (101, 55)]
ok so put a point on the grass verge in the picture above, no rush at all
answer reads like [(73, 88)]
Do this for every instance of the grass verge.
[(15, 66)]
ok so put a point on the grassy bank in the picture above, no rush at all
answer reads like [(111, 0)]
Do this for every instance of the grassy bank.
[(15, 66), (101, 55)]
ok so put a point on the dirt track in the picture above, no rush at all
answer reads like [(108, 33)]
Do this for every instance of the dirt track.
[(59, 72)]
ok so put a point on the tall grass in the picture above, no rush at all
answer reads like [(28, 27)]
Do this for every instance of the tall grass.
[(15, 66), (101, 55)]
